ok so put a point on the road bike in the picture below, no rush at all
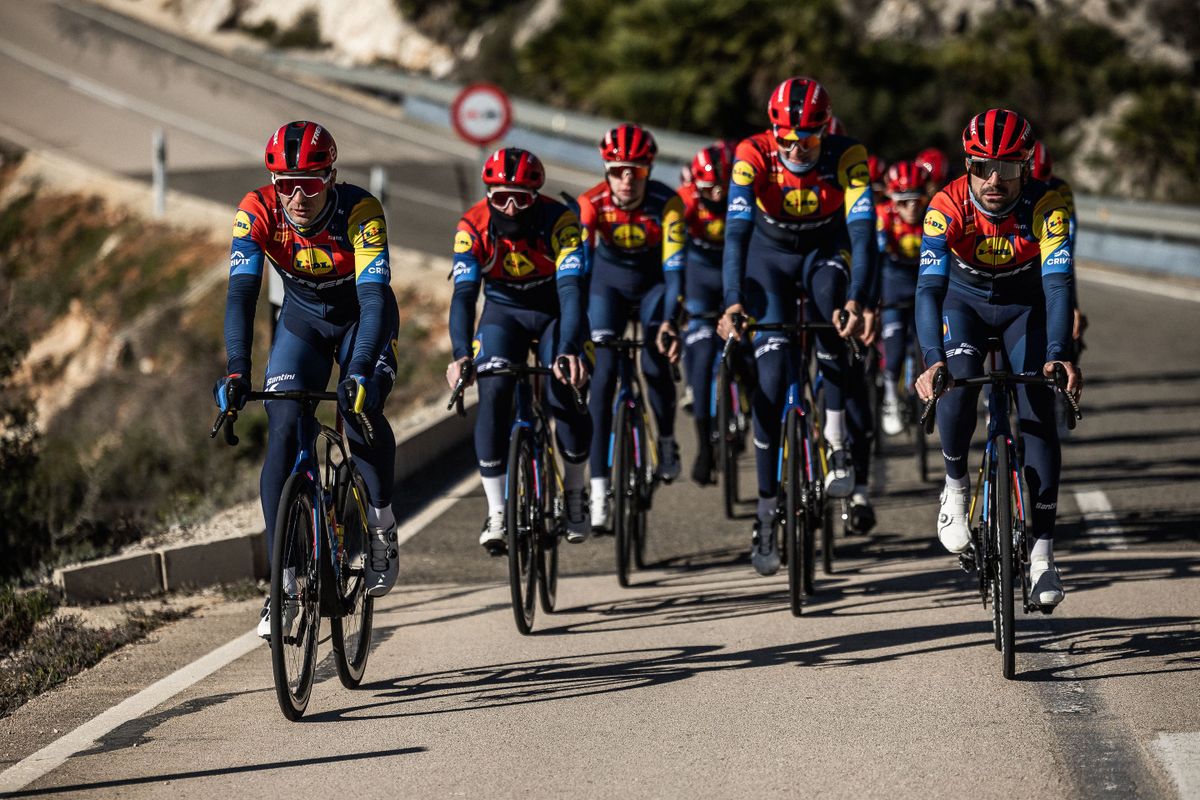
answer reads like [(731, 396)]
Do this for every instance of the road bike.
[(999, 550), (318, 556), (535, 508)]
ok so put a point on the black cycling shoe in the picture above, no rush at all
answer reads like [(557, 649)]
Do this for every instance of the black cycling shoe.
[(702, 467), (862, 517)]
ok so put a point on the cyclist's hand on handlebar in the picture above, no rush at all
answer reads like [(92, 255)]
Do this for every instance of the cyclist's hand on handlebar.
[(870, 329), (726, 326), (575, 373), (230, 392), (853, 320), (667, 341), (1074, 377), (924, 382), (455, 370), (357, 395)]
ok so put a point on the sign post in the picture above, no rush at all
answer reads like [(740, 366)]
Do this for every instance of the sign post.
[(481, 115)]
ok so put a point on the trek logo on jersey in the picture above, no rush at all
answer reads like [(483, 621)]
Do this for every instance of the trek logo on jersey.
[(242, 224), (462, 242), (801, 202), (629, 236), (935, 223), (517, 265), (743, 173), (994, 251), (312, 260)]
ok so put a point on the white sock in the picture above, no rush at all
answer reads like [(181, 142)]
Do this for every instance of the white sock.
[(835, 429), (1042, 548), (494, 489), (963, 483), (766, 508), (574, 475), (599, 488), (889, 389), (380, 518)]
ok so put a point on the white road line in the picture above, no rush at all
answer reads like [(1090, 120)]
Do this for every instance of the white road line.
[(50, 757), (1148, 284), (1099, 520), (1180, 754), (435, 510), (53, 755)]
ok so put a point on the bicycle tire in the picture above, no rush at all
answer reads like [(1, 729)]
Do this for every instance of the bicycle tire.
[(643, 496), (827, 545), (552, 523), (727, 439), (521, 530), (795, 514), (624, 486), (294, 657), (1004, 554), (350, 633), (921, 445)]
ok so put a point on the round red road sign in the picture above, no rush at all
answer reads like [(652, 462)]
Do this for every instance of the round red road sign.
[(481, 113)]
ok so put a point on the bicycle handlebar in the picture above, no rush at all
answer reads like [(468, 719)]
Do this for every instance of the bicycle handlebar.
[(1057, 381), (226, 419), (512, 370)]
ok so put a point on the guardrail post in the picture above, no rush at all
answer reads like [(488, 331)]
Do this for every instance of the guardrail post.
[(379, 184), (159, 172)]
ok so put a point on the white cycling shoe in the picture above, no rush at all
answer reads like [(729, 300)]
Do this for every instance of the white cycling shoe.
[(579, 521), (764, 550), (290, 610), (952, 527), (1047, 589), (890, 420), (839, 481), (601, 516), (492, 536), (383, 562)]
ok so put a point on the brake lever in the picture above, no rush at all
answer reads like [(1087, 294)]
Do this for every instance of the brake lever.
[(1060, 383), (564, 367), (928, 417)]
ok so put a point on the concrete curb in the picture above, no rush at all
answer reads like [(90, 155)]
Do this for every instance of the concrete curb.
[(242, 557)]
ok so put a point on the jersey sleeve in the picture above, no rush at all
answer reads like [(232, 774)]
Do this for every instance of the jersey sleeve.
[(855, 179), (467, 276), (674, 246), (1052, 227), (940, 224), (587, 231), (566, 246), (747, 178), (372, 278), (246, 257)]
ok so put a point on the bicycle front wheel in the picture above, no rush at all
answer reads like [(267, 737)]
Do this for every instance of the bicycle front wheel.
[(350, 633), (1004, 572), (553, 509), (796, 528), (727, 434), (624, 483), (295, 593), (521, 521)]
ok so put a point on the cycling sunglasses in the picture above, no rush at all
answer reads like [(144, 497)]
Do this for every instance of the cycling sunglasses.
[(637, 171), (793, 138), (309, 185), (520, 198), (984, 167)]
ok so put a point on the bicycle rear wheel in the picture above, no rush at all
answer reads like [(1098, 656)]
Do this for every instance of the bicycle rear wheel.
[(521, 529), (350, 633), (727, 433), (295, 593), (624, 483), (827, 523), (552, 511), (1003, 529)]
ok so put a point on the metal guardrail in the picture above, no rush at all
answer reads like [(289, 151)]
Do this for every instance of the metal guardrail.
[(1154, 237)]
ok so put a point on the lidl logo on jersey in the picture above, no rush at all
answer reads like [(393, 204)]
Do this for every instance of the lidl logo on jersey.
[(312, 260), (566, 233), (242, 224), (993, 251), (909, 245), (715, 229), (374, 232), (935, 223), (1057, 223), (629, 236), (517, 265), (801, 202), (462, 242), (860, 174), (743, 173)]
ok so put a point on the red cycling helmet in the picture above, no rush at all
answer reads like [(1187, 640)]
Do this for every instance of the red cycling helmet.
[(712, 164), (934, 162), (512, 166), (876, 166), (906, 178), (799, 103), (628, 144), (1043, 166), (1000, 134), (300, 147), (836, 127)]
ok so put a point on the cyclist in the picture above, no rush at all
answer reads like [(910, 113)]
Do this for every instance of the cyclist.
[(328, 241), (633, 235), (996, 262), (877, 168), (524, 249), (704, 202), (900, 245), (1043, 170), (800, 198)]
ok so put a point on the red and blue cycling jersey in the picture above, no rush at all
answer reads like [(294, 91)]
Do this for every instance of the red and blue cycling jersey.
[(704, 222), (800, 210), (1022, 257), (541, 269), (335, 269), (899, 241)]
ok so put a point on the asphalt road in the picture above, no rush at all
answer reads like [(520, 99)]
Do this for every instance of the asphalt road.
[(697, 681)]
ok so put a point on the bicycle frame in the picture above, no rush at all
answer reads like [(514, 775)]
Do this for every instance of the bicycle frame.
[(528, 413)]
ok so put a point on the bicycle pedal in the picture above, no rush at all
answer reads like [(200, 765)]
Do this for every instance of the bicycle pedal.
[(1046, 610), (966, 560), (496, 549)]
